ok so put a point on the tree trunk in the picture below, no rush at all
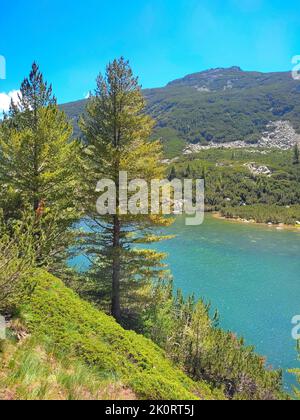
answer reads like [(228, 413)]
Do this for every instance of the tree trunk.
[(116, 272)]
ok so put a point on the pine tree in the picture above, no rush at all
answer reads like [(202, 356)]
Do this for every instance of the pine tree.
[(16, 262), (37, 161), (188, 171), (172, 174), (117, 132), (34, 95)]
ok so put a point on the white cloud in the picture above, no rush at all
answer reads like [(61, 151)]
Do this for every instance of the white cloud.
[(5, 99)]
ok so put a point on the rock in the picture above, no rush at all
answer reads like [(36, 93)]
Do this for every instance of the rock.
[(202, 88), (228, 86), (279, 135), (257, 169), (196, 148), (169, 161)]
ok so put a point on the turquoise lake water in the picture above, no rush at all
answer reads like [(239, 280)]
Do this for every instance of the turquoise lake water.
[(250, 273)]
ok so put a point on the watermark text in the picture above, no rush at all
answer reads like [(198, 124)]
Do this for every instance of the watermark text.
[(296, 68), (2, 67), (2, 328), (296, 329), (158, 197)]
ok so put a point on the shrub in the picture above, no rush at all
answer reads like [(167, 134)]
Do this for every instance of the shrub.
[(80, 331)]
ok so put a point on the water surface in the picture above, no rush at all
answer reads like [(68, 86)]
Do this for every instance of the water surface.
[(250, 273)]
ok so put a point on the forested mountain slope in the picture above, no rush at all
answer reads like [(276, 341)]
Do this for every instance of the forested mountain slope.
[(218, 105)]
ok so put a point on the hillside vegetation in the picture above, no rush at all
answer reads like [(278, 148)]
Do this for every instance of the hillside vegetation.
[(75, 351), (218, 105), (236, 185), (265, 214), (32, 370)]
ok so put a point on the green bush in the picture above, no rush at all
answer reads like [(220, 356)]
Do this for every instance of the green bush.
[(81, 331), (193, 340), (265, 214)]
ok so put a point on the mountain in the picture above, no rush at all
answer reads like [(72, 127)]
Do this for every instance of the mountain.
[(218, 106)]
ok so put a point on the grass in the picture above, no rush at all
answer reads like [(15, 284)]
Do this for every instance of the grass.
[(29, 371), (101, 354)]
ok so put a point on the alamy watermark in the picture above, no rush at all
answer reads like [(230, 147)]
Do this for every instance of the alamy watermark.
[(2, 67), (296, 329), (296, 68), (159, 197), (2, 328)]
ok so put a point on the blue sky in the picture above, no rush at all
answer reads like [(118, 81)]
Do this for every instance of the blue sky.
[(163, 39)]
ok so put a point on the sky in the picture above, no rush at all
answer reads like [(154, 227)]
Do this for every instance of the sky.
[(164, 39)]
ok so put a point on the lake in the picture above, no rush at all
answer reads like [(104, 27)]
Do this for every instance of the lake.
[(250, 273)]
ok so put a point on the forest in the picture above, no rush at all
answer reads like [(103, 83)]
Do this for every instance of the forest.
[(219, 105), (234, 189)]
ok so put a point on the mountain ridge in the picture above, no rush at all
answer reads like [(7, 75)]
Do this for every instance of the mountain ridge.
[(221, 105)]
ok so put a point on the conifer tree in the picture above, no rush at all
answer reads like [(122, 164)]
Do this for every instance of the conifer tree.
[(172, 174), (116, 138), (38, 161), (16, 262), (188, 171)]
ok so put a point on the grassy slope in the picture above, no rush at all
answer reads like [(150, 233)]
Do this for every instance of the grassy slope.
[(30, 370), (73, 330)]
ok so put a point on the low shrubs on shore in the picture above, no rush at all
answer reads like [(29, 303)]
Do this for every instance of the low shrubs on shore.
[(289, 215)]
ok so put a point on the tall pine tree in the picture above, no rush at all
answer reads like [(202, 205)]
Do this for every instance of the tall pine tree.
[(38, 163), (117, 131)]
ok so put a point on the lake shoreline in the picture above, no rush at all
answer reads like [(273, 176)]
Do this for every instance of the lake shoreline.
[(239, 220)]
